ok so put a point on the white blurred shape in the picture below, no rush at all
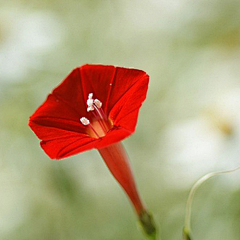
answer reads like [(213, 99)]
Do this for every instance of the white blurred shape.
[(25, 38), (208, 143), (41, 32)]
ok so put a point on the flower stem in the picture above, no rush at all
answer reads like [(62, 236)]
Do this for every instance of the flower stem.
[(147, 225), (187, 227), (117, 161)]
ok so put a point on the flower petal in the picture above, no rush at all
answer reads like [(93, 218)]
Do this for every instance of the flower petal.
[(60, 143), (109, 83), (57, 124), (116, 134), (65, 147), (123, 83), (97, 79), (71, 93), (55, 108), (125, 111), (48, 129)]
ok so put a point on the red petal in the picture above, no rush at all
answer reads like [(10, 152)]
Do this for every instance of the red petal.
[(109, 83), (57, 124), (97, 79), (59, 143), (125, 112), (71, 93), (65, 147), (54, 111), (113, 136), (124, 82)]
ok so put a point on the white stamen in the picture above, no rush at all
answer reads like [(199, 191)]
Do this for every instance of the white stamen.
[(90, 108), (98, 103), (90, 102), (101, 125), (84, 121)]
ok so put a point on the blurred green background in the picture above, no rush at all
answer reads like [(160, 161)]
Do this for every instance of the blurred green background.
[(188, 126)]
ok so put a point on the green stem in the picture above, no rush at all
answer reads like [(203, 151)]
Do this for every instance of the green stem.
[(187, 227), (148, 225)]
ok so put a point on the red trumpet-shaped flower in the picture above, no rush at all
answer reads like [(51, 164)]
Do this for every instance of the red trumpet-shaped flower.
[(96, 106)]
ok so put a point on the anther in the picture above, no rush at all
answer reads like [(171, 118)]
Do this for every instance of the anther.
[(84, 121), (98, 103), (91, 108), (90, 102)]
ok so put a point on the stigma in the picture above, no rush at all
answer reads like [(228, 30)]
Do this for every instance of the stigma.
[(99, 124)]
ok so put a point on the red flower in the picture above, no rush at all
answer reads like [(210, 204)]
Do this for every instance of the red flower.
[(96, 106), (57, 121)]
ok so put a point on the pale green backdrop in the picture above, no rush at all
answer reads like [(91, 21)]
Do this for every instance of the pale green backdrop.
[(188, 126)]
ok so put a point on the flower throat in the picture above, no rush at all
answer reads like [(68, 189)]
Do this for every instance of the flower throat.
[(100, 124)]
